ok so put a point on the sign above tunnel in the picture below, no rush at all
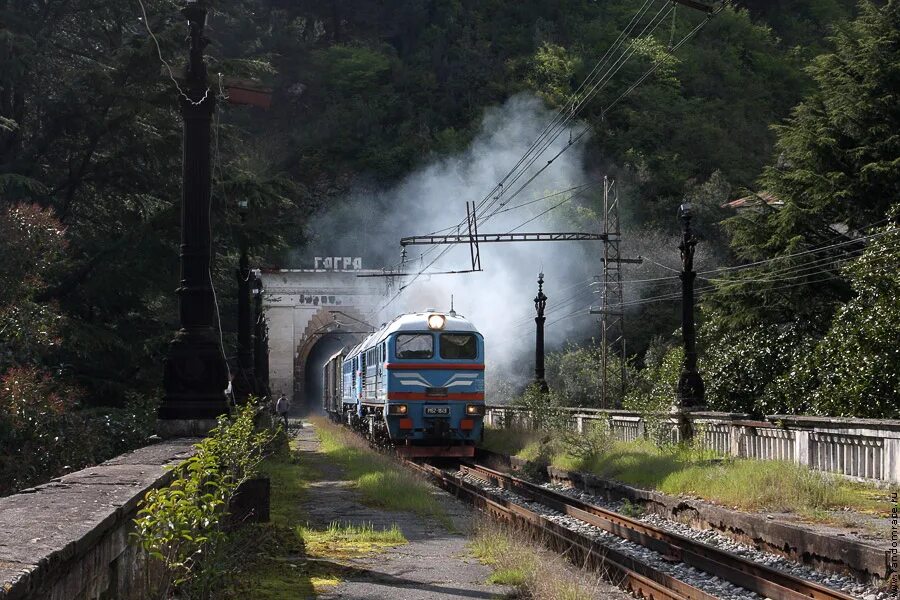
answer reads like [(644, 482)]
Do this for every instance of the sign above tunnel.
[(337, 263)]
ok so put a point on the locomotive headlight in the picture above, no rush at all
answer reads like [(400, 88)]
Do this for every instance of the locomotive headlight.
[(397, 409), (475, 409), (436, 321)]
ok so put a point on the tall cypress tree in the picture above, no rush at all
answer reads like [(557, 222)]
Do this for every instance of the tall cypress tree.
[(837, 173)]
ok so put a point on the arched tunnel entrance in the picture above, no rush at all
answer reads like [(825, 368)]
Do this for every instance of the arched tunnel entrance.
[(310, 314), (327, 345)]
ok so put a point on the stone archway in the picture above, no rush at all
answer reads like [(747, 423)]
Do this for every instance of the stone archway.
[(302, 306), (324, 325)]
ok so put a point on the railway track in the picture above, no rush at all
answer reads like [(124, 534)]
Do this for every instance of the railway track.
[(642, 578)]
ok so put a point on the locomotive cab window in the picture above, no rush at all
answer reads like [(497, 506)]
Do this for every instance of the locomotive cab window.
[(459, 346), (415, 345)]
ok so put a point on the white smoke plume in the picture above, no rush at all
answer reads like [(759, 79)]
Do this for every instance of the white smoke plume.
[(499, 300)]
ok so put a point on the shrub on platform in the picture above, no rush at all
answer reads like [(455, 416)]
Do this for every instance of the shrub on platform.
[(182, 525)]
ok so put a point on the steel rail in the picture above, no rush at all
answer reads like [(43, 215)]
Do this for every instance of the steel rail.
[(750, 575), (621, 569)]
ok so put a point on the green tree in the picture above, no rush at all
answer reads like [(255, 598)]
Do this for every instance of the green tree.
[(837, 171), (740, 365), (576, 376), (854, 369)]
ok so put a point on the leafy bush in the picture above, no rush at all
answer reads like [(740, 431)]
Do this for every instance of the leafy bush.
[(576, 375), (43, 433), (182, 525), (595, 439), (543, 408), (654, 391)]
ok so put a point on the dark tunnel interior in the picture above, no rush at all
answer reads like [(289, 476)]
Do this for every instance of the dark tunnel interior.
[(311, 400)]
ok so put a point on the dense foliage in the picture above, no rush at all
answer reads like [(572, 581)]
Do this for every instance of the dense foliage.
[(809, 319), (366, 92), (853, 369)]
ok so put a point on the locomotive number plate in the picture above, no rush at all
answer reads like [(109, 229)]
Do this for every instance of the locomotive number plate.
[(437, 410)]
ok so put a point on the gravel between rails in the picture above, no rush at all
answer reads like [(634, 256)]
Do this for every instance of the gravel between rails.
[(709, 583), (717, 540)]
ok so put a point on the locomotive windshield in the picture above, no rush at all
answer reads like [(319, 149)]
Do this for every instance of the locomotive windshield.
[(458, 345), (415, 345)]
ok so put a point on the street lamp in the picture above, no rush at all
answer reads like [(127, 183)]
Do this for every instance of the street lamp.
[(195, 373), (690, 393), (540, 303), (245, 382), (260, 338)]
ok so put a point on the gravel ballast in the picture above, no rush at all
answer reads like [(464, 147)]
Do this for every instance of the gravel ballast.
[(717, 540), (708, 583)]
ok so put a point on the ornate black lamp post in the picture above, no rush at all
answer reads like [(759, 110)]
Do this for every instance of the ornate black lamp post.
[(260, 339), (690, 384), (195, 372), (244, 383), (540, 303)]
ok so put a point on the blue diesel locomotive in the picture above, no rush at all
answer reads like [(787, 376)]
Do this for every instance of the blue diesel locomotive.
[(418, 381)]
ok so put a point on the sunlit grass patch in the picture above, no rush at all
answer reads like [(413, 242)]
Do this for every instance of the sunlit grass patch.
[(534, 572), (381, 482), (743, 483), (349, 540), (514, 576)]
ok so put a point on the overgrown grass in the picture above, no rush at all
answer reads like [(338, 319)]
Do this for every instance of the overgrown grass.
[(742, 483), (286, 558), (509, 441), (275, 557), (289, 478), (381, 482), (348, 540), (534, 572)]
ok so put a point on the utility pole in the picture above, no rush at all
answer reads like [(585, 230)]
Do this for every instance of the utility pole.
[(244, 384), (613, 312), (195, 373), (690, 383), (540, 303), (612, 300)]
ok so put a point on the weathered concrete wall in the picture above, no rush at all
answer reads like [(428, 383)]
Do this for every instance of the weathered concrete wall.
[(69, 539)]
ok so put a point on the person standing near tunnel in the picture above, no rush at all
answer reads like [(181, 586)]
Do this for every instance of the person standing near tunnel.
[(282, 406)]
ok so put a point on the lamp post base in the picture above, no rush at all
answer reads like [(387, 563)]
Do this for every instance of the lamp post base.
[(180, 428), (195, 377)]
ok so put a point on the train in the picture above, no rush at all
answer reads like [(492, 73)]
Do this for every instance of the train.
[(417, 383)]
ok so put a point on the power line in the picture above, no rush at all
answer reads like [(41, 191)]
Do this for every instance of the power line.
[(498, 189), (576, 107), (796, 254)]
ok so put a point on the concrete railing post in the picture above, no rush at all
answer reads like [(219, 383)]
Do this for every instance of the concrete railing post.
[(801, 447), (890, 460), (734, 438)]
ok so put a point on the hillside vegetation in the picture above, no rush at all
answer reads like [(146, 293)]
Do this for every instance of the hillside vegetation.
[(797, 98)]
